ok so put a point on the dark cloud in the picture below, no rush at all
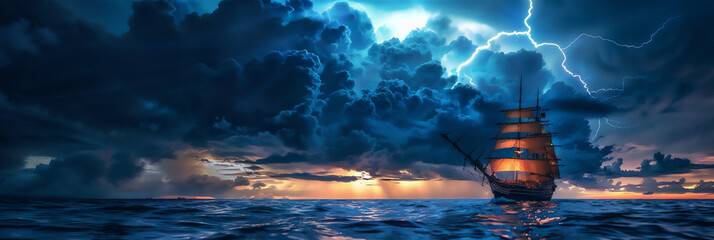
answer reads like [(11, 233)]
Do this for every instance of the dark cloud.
[(360, 26), (395, 59), (664, 85), (704, 187), (429, 75), (650, 185), (620, 23), (241, 181), (461, 49), (287, 158), (254, 167), (441, 25), (74, 176), (258, 185), (282, 84), (499, 74), (297, 127), (581, 159), (394, 54), (309, 176), (562, 97), (145, 118), (351, 145), (204, 185), (336, 75), (123, 167), (426, 37), (152, 22), (659, 165)]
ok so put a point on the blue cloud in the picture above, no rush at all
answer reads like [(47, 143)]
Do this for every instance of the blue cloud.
[(304, 87)]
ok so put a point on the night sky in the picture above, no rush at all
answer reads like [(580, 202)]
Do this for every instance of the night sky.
[(324, 99)]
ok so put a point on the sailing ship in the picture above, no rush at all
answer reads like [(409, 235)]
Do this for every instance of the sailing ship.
[(523, 165)]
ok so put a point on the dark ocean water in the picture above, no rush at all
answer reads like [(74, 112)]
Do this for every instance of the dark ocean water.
[(356, 219)]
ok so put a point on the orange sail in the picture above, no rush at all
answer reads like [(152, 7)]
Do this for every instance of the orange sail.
[(534, 152), (554, 169), (519, 113), (523, 165), (526, 127), (534, 144), (518, 164)]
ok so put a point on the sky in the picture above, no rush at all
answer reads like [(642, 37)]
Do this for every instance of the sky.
[(345, 100)]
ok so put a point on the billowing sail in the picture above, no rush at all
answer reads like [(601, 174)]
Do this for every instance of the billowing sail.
[(542, 167), (554, 162), (525, 127), (555, 171), (534, 144), (523, 164), (519, 113), (539, 158)]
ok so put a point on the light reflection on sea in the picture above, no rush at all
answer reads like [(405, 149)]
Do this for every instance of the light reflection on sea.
[(356, 219)]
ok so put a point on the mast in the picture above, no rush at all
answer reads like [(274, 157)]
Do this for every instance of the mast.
[(529, 136), (537, 113), (520, 97), (520, 117), (520, 93), (540, 160)]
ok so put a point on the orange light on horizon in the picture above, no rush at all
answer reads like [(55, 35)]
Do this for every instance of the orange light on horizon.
[(635, 195), (184, 197)]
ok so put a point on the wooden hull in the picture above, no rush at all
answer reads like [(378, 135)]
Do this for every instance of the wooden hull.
[(520, 192)]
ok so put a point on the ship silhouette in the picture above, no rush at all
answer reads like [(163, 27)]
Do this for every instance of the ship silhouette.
[(523, 165)]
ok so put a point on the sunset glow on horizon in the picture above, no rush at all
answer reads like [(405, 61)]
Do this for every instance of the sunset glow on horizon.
[(260, 99)]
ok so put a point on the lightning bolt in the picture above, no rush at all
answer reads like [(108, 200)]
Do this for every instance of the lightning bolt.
[(621, 127), (596, 131), (621, 90), (620, 44), (561, 49), (470, 80)]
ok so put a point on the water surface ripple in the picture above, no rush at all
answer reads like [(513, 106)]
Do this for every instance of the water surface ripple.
[(356, 219)]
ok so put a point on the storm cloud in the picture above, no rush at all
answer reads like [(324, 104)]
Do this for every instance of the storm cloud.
[(282, 86)]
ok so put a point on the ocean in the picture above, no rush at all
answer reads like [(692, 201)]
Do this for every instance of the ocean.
[(356, 219)]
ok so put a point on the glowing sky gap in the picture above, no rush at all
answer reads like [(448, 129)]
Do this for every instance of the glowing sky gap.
[(537, 45)]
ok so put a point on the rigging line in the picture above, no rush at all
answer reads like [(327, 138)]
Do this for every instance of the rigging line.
[(474, 176), (499, 164), (471, 164)]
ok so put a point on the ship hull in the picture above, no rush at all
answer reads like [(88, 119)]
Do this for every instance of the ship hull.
[(522, 193)]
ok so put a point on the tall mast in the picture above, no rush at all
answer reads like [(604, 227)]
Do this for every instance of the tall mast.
[(520, 113), (520, 116), (520, 95), (537, 113), (537, 96)]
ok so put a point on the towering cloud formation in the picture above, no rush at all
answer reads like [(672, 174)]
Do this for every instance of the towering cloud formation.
[(277, 87)]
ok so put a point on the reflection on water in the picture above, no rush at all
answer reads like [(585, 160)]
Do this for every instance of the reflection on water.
[(356, 219), (516, 219)]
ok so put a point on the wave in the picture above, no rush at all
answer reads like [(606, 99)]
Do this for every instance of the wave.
[(361, 219)]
